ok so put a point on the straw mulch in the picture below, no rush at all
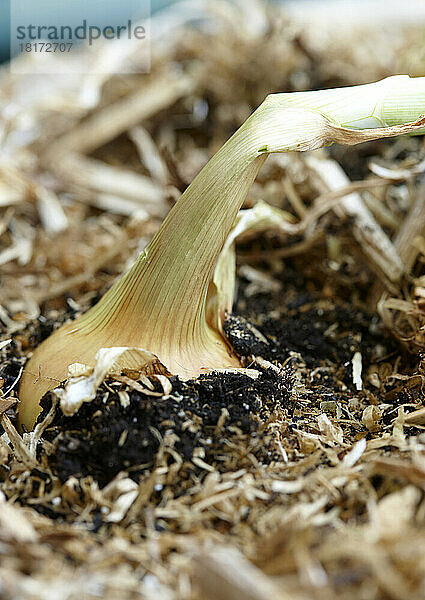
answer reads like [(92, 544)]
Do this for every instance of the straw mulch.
[(307, 482)]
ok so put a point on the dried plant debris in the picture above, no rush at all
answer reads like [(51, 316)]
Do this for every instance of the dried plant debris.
[(302, 476)]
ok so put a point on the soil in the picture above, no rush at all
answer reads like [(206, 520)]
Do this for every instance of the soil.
[(312, 334)]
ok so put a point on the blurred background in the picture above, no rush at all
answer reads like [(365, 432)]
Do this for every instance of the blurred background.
[(339, 11)]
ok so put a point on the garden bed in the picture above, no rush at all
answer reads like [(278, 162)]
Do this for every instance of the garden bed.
[(303, 476)]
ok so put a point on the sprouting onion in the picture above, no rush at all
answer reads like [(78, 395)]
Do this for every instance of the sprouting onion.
[(159, 305)]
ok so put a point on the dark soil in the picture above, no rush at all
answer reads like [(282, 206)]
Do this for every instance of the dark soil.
[(104, 437), (300, 328)]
